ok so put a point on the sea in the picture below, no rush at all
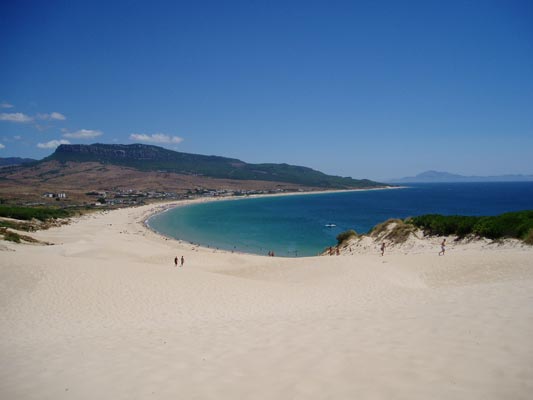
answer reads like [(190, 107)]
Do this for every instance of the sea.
[(304, 225)]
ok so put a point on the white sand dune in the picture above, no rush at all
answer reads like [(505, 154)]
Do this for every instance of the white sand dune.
[(104, 314)]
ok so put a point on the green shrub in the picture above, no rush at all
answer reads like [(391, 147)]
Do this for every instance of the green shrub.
[(28, 213), (465, 226), (509, 225), (343, 236), (489, 228)]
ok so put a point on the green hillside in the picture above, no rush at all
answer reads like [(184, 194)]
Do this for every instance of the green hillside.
[(154, 158)]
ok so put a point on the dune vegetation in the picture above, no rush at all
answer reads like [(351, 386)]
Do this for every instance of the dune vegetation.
[(29, 213), (517, 225)]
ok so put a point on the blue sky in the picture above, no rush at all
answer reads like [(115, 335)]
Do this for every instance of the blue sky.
[(368, 89)]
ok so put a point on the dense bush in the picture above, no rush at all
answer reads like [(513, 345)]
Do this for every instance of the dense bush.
[(28, 213), (517, 225), (435, 224), (341, 237)]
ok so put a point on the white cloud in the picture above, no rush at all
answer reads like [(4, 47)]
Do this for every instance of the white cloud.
[(6, 105), (52, 144), (155, 138), (15, 117), (55, 116), (17, 137), (2, 146), (23, 118), (83, 134)]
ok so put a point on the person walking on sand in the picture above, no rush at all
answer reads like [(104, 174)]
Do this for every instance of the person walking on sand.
[(442, 248), (383, 245), (182, 261), (176, 261)]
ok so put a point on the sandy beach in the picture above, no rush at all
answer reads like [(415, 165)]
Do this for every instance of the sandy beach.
[(104, 314)]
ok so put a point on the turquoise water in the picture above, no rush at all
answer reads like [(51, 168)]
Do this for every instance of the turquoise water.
[(296, 225)]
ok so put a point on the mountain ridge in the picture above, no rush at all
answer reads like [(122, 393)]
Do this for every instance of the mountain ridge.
[(446, 177), (12, 161), (153, 158)]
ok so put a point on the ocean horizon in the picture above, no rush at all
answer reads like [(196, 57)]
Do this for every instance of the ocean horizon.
[(305, 224)]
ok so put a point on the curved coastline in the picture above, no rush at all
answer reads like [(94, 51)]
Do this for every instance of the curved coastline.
[(254, 229), (188, 202)]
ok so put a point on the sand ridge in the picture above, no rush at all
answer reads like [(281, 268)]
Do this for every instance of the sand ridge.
[(104, 313)]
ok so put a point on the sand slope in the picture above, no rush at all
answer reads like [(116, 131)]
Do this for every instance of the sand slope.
[(105, 314)]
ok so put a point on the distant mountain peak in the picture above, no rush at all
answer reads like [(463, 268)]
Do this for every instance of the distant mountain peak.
[(445, 177), (12, 161), (435, 174)]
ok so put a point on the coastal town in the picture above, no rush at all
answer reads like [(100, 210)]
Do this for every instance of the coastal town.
[(117, 197)]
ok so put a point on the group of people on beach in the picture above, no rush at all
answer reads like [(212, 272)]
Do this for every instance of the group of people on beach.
[(176, 261), (332, 251)]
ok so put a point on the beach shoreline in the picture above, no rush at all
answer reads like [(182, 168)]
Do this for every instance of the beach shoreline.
[(104, 313), (167, 206), (365, 244)]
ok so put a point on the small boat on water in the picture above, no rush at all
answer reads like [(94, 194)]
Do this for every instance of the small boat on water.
[(330, 225)]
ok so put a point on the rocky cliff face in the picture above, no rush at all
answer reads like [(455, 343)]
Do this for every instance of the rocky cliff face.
[(116, 151)]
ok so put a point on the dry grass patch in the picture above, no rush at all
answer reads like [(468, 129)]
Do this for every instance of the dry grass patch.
[(393, 230), (15, 237)]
